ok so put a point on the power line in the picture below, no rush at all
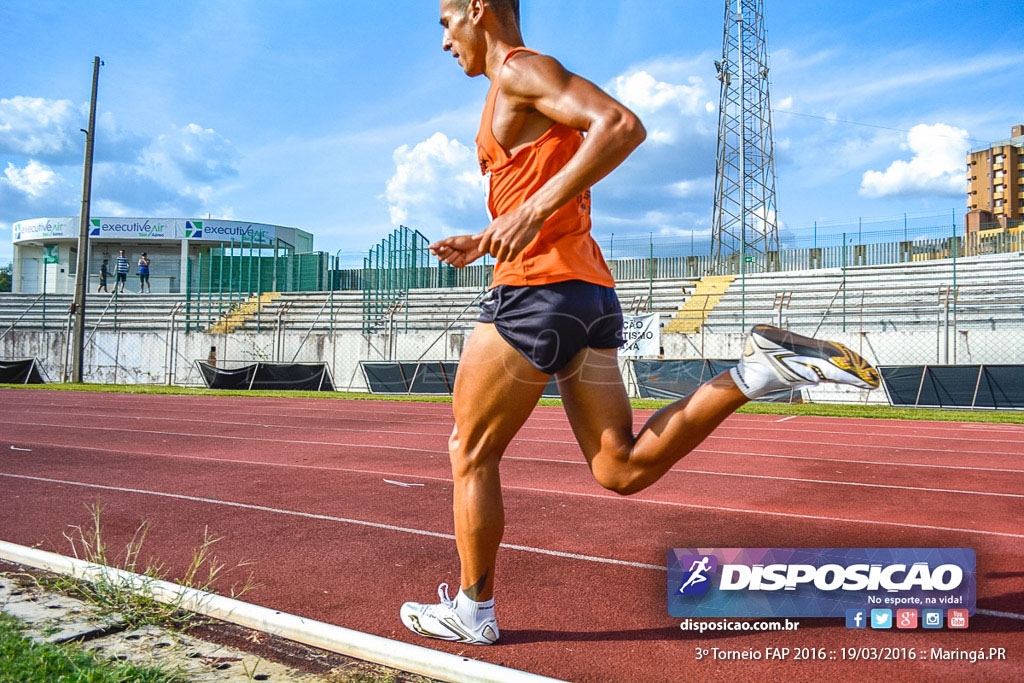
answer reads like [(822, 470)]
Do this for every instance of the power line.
[(866, 125)]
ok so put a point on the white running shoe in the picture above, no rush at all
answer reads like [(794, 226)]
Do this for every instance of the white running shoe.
[(775, 359), (441, 621)]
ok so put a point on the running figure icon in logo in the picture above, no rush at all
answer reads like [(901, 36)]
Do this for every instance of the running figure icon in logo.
[(697, 581)]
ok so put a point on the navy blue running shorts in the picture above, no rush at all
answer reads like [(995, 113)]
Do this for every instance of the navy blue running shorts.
[(550, 324)]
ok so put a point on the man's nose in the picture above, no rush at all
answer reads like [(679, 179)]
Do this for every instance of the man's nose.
[(446, 42)]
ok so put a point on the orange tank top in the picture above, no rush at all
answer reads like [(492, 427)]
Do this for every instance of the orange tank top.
[(563, 248)]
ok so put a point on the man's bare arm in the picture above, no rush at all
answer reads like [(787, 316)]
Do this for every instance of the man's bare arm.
[(612, 132)]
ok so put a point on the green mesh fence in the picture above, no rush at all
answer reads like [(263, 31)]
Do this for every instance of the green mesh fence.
[(400, 262)]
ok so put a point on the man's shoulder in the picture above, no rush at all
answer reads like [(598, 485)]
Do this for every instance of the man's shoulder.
[(527, 71)]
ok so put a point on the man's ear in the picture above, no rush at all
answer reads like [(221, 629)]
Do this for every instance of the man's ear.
[(475, 11)]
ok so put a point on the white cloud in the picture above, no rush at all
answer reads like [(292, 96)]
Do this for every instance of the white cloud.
[(191, 153), (33, 126), (662, 106), (437, 184), (937, 167), (692, 188), (34, 180), (177, 172)]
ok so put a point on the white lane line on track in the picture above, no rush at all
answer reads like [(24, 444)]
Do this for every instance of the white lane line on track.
[(563, 426), (760, 439), (731, 423), (626, 500), (569, 462), (711, 451), (1002, 615), (332, 518), (563, 461), (796, 479), (854, 483), (971, 468)]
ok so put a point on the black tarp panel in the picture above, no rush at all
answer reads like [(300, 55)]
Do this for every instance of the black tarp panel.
[(1002, 386), (217, 378), (385, 378), (280, 376), (431, 377), (955, 386), (20, 371), (293, 377), (901, 383)]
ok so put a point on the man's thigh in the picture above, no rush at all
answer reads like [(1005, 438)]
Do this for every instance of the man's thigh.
[(596, 402), (496, 389)]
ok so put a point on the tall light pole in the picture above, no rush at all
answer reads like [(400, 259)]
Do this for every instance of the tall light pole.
[(744, 223), (82, 280)]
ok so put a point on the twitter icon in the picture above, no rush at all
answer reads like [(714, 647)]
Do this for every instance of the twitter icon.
[(881, 618)]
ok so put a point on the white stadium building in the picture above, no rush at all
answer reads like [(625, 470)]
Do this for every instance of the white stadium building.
[(46, 249)]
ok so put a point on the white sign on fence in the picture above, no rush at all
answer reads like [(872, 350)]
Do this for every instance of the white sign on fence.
[(642, 334)]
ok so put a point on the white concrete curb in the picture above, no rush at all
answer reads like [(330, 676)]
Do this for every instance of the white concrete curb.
[(392, 653)]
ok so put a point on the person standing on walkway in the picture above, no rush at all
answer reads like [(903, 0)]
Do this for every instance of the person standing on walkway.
[(104, 273), (121, 269), (143, 271)]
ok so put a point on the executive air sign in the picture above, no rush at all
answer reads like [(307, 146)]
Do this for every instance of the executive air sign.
[(816, 582), (211, 230)]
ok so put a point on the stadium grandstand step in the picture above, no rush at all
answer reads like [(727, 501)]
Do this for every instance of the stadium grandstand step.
[(706, 295), (239, 315)]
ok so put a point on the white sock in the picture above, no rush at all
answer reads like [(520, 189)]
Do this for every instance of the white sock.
[(471, 612), (752, 383)]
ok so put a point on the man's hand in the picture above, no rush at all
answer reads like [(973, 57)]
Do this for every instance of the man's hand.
[(509, 234), (458, 251)]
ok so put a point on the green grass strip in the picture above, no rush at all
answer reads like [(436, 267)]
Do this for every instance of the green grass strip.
[(815, 409), (26, 661)]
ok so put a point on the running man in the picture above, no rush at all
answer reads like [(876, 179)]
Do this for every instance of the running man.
[(552, 309), (121, 270)]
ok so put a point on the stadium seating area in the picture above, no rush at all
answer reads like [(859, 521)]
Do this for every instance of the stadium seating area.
[(128, 311), (902, 297)]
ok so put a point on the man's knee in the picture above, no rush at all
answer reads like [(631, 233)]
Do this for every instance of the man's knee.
[(468, 455), (613, 471)]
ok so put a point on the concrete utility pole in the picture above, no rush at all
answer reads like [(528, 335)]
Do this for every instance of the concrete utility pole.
[(82, 280)]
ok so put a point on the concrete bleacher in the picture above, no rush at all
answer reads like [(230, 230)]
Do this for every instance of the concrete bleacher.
[(898, 297), (433, 309), (989, 294), (128, 311)]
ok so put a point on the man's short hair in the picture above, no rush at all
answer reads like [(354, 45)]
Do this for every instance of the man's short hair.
[(499, 5)]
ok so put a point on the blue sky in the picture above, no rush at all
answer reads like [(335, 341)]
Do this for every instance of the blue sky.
[(346, 118)]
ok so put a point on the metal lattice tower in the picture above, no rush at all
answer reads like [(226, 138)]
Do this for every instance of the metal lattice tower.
[(745, 225)]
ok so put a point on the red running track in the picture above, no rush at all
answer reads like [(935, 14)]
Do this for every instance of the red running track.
[(306, 490)]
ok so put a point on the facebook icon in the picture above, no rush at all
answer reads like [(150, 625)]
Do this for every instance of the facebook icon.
[(856, 618)]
